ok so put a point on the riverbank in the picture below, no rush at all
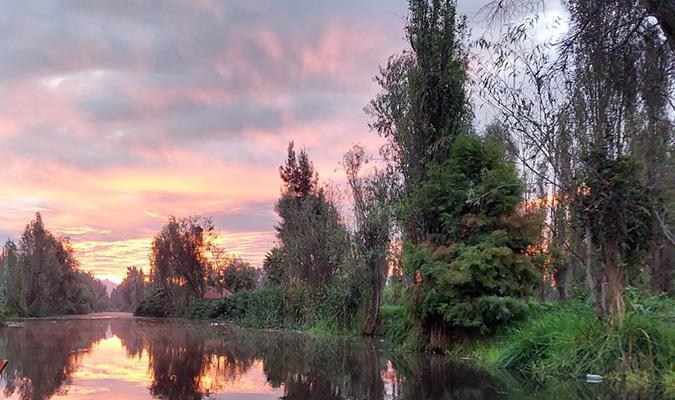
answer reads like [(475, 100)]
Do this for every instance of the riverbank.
[(557, 340), (566, 340), (175, 358)]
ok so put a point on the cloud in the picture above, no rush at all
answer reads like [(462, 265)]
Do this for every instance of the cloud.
[(115, 115)]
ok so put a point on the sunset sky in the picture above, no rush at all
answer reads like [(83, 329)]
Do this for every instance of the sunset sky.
[(115, 115)]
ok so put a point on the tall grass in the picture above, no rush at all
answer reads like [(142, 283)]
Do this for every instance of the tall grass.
[(330, 310), (568, 339)]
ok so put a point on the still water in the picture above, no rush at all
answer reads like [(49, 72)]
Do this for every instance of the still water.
[(117, 356)]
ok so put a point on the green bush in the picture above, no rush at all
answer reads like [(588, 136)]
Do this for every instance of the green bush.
[(299, 304), (395, 322), (264, 308), (337, 306), (260, 308), (475, 264), (202, 309), (334, 308), (155, 305), (393, 294)]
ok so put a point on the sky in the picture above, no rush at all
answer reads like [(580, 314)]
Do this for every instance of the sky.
[(116, 115)]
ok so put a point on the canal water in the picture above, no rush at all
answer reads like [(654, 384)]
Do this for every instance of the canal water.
[(117, 356)]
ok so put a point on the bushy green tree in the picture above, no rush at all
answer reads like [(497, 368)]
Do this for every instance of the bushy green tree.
[(313, 238), (474, 267), (234, 274), (179, 264)]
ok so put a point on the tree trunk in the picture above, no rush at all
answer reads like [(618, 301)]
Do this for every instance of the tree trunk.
[(591, 277), (438, 338), (561, 283), (662, 269), (373, 317), (612, 287)]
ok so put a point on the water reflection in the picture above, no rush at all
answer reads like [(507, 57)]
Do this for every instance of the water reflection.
[(127, 358)]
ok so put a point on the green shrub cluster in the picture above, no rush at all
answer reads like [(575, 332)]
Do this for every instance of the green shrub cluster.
[(475, 267), (569, 339), (155, 305), (333, 308)]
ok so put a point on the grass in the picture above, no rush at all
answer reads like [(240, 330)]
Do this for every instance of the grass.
[(565, 340), (266, 308)]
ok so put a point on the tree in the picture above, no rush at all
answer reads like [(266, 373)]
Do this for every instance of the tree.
[(475, 266), (15, 297), (49, 270), (127, 296), (605, 86), (311, 233), (423, 103), (232, 273), (43, 278), (373, 209), (617, 83), (179, 265), (614, 209)]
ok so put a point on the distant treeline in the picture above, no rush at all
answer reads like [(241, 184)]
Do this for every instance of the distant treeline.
[(40, 277)]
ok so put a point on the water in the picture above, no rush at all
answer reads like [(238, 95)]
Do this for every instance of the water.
[(116, 356)]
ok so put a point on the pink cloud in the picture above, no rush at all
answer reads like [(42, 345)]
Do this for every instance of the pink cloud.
[(112, 119)]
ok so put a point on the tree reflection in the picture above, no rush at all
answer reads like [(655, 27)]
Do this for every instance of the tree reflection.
[(191, 361), (43, 355)]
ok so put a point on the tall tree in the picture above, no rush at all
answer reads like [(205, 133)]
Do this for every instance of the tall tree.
[(474, 269), (178, 262), (423, 103), (15, 296), (311, 233), (373, 209)]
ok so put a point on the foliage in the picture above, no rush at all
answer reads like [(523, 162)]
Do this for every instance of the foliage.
[(157, 304), (373, 214), (423, 103), (262, 308), (40, 276), (475, 265), (569, 339), (392, 294), (273, 266), (232, 273), (127, 296), (298, 173), (313, 238), (179, 264), (613, 206)]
